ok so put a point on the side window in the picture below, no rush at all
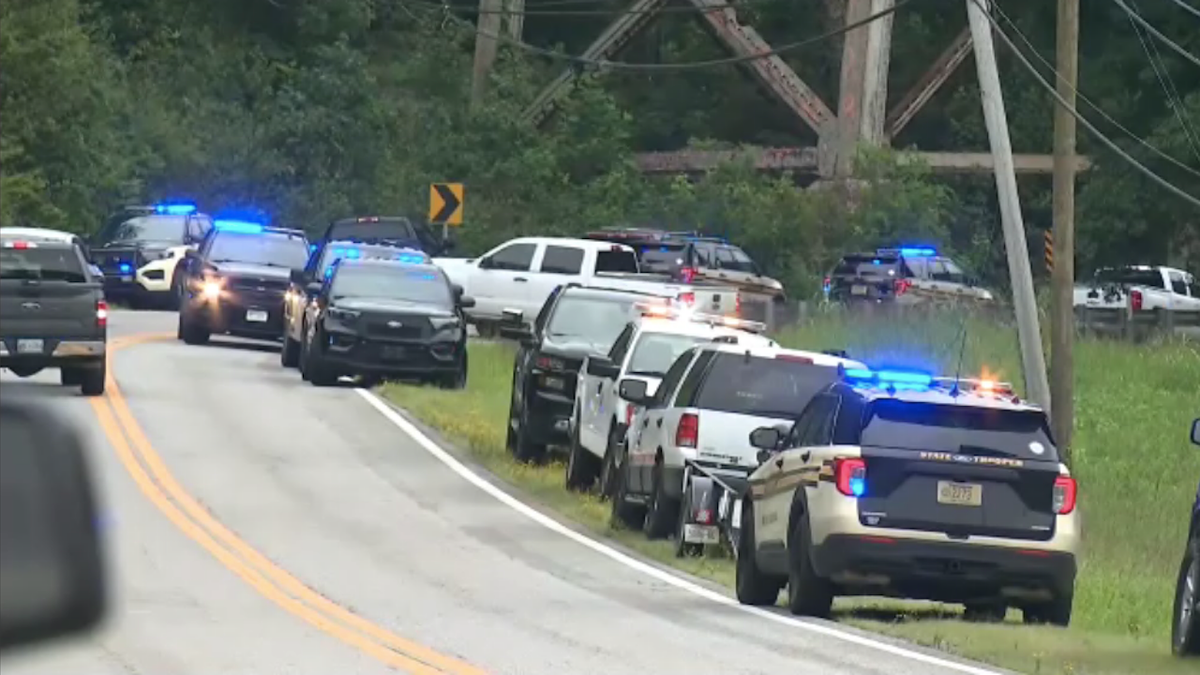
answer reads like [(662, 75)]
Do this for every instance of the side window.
[(691, 383), (703, 255), (617, 353), (539, 324), (800, 429), (725, 258), (515, 257), (820, 432), (918, 268), (671, 380), (562, 260), (847, 428), (1178, 283)]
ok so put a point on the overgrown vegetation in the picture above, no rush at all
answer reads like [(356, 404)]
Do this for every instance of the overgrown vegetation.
[(1137, 476), (317, 109)]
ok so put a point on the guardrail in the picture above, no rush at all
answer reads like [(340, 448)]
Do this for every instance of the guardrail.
[(1123, 323)]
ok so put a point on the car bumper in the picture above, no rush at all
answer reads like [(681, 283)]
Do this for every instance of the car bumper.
[(55, 352), (257, 316), (354, 354), (944, 571), (550, 416)]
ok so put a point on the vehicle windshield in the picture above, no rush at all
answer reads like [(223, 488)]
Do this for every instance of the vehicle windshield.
[(655, 352), (58, 263), (760, 386), (665, 258), (958, 429), (868, 266), (734, 258), (1128, 276), (158, 228), (392, 282), (598, 320), (259, 249), (397, 229)]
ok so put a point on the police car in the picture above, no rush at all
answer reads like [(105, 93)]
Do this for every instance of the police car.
[(140, 251), (1185, 626), (894, 483), (904, 276)]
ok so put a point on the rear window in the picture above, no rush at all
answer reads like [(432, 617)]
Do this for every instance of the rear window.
[(664, 259), (765, 387), (157, 228), (655, 352), (868, 266), (598, 320), (562, 260), (259, 249), (1130, 277), (616, 261), (58, 263), (935, 427), (399, 229)]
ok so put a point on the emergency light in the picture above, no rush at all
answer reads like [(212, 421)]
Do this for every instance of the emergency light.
[(180, 209), (888, 378), (918, 252), (242, 226), (675, 312)]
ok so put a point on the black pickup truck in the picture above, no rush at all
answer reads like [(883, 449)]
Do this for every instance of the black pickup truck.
[(52, 313)]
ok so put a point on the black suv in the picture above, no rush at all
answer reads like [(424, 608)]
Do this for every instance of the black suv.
[(380, 318), (398, 231), (236, 280), (1185, 628), (52, 313), (905, 276), (575, 322), (139, 250)]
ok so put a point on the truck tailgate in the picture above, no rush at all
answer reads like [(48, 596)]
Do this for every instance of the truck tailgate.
[(50, 309)]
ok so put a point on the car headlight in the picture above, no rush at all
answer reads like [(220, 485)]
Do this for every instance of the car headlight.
[(211, 289), (447, 323), (342, 315)]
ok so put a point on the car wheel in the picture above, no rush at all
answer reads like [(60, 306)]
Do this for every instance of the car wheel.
[(191, 333), (624, 513), (71, 377), (1185, 627), (660, 518), (526, 449), (607, 467), (753, 586), (289, 353), (1056, 612), (175, 296), (581, 464), (808, 594), (315, 367), (457, 379), (92, 381), (682, 548)]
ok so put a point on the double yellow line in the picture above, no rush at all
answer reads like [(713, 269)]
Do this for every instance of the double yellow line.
[(147, 469)]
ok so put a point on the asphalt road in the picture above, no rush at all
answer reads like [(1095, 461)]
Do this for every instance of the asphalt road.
[(258, 524)]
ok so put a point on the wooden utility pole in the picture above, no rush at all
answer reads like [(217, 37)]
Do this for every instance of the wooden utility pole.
[(1062, 316), (487, 28), (515, 19), (1029, 335)]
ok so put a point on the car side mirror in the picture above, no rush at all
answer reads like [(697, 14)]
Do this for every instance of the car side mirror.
[(297, 277), (51, 567), (633, 391), (1196, 431), (602, 367), (512, 317), (766, 438), (466, 302)]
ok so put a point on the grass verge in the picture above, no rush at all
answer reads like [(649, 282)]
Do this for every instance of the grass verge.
[(1137, 475)]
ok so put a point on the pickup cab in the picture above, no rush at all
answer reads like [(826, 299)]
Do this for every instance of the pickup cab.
[(52, 313), (1140, 288), (520, 274), (643, 351)]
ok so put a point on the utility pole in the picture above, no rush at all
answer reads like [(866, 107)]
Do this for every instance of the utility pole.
[(1062, 312), (515, 19), (1033, 361), (487, 28)]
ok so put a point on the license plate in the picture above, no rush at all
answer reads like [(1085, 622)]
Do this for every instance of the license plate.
[(391, 352), (31, 346), (959, 494), (554, 383), (257, 315), (701, 534), (858, 289), (126, 278)]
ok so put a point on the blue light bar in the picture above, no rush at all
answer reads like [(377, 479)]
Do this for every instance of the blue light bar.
[(918, 252), (412, 259), (175, 209), (125, 268), (242, 226), (902, 379)]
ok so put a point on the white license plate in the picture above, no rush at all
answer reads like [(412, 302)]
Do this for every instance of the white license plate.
[(31, 346), (126, 278), (392, 352), (257, 315), (858, 289), (959, 494), (555, 383), (701, 534)]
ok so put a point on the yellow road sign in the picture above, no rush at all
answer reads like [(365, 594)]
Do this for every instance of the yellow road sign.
[(446, 203)]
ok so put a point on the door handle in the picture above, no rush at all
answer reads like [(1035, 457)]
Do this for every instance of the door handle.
[(659, 424), (779, 463), (520, 279), (599, 387)]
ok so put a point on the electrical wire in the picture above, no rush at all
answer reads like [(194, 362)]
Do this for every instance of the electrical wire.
[(1028, 65), (1155, 32), (689, 65), (1092, 104), (692, 9), (1174, 100), (1188, 8)]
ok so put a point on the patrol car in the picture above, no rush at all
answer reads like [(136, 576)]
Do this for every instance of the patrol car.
[(700, 419), (894, 483), (644, 350), (1185, 626), (140, 251), (305, 284), (904, 276), (236, 281)]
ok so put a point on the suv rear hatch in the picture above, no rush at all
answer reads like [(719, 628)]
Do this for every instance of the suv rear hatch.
[(46, 292), (958, 469), (866, 277), (395, 230)]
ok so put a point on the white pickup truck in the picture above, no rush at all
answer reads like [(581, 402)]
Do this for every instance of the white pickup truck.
[(521, 273), (1141, 288)]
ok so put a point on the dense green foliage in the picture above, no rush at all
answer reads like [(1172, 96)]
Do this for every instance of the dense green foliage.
[(323, 108)]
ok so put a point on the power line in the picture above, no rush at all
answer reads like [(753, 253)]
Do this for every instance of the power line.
[(585, 12), (1149, 173), (690, 65), (1188, 8), (1092, 104), (1155, 32), (1167, 83)]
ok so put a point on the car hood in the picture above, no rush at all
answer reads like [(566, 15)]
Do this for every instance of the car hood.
[(240, 269), (392, 305), (572, 346)]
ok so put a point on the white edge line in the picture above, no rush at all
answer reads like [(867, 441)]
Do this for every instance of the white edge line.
[(633, 563)]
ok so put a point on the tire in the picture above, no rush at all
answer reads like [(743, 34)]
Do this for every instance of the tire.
[(753, 586), (525, 449), (457, 379), (191, 333), (607, 467), (623, 513), (808, 594), (303, 365), (92, 381), (289, 352), (682, 548), (1185, 626), (660, 517), (581, 464), (510, 436), (1056, 612), (24, 371), (315, 367), (71, 376), (175, 296)]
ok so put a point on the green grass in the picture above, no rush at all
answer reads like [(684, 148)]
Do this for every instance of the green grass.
[(1137, 475)]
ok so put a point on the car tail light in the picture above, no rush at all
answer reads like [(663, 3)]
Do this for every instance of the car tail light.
[(101, 313), (688, 431), (628, 414), (20, 245), (901, 286), (704, 516), (737, 305), (1135, 300), (851, 476), (550, 363), (688, 298), (688, 274), (1065, 492)]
